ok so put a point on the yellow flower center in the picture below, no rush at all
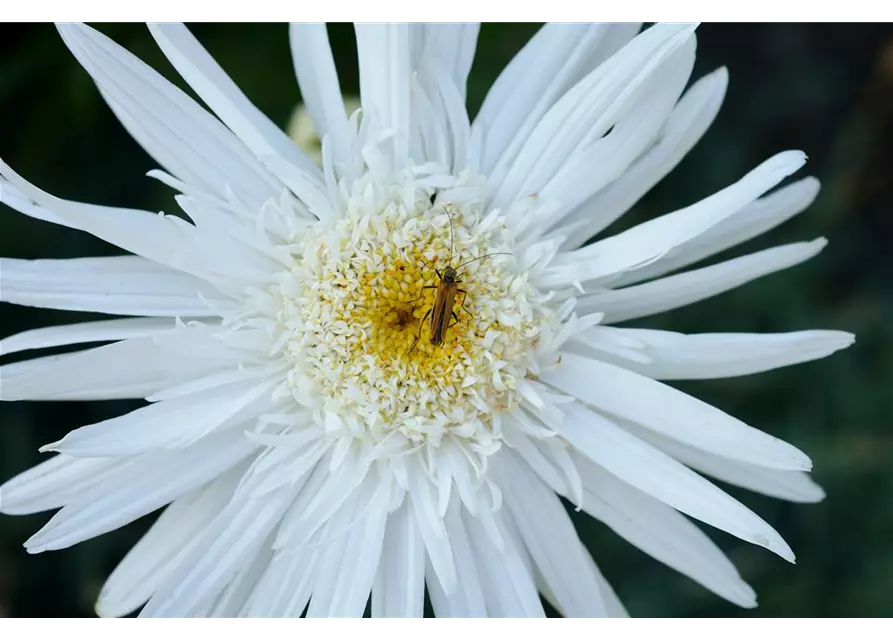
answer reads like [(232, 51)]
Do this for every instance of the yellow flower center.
[(360, 323)]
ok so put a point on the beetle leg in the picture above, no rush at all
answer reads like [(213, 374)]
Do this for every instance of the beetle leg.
[(462, 304), (430, 286), (421, 325)]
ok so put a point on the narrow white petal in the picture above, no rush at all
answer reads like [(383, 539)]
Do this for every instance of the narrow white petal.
[(234, 597), (440, 602), (220, 93), (53, 483), (649, 241), (553, 61), (689, 121), (12, 197), (83, 332), (123, 285), (164, 148), (685, 288), (756, 218), (284, 589), (140, 488), (608, 158), (225, 547), (795, 486), (434, 535), (657, 474), (288, 581), (551, 539), (430, 141), (158, 238), (588, 111), (134, 368), (508, 587), (384, 55), (467, 600), (353, 561), (172, 535), (326, 493), (169, 119), (320, 90), (538, 462), (613, 606), (399, 589), (451, 44), (666, 355), (669, 412), (450, 105), (661, 532), (167, 425)]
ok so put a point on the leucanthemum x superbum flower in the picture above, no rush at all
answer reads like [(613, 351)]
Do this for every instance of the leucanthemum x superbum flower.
[(308, 456)]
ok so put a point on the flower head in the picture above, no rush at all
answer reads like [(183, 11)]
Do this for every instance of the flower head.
[(375, 371)]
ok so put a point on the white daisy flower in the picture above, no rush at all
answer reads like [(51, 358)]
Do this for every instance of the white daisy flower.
[(311, 446)]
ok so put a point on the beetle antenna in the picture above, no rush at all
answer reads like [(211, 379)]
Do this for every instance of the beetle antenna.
[(450, 262), (500, 253)]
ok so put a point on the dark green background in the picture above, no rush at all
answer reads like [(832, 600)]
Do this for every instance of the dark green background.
[(825, 89)]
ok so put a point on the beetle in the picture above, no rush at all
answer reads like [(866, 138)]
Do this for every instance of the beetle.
[(442, 312)]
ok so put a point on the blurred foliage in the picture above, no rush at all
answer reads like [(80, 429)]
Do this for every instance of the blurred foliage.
[(826, 89)]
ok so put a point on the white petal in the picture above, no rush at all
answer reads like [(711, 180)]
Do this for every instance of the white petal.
[(147, 484), (608, 158), (538, 462), (449, 104), (82, 332), (430, 139), (451, 44), (349, 565), (795, 486), (399, 589), (756, 218), (320, 91), (167, 425), (284, 589), (170, 121), (327, 490), (661, 532), (649, 241), (384, 55), (12, 197), (508, 587), (229, 544), (437, 542), (689, 121), (553, 61), (551, 539), (134, 368), (467, 600), (220, 93), (662, 477), (288, 581), (232, 249), (172, 535), (665, 355), (232, 600), (613, 607), (692, 286), (158, 238), (53, 483), (669, 412), (587, 111), (123, 285)]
